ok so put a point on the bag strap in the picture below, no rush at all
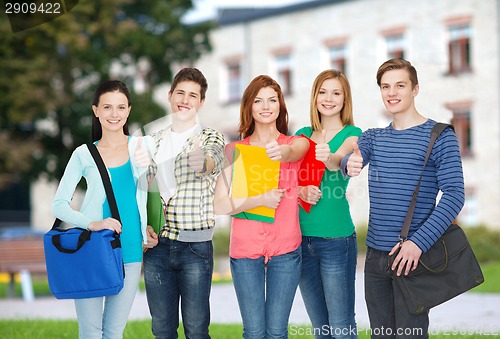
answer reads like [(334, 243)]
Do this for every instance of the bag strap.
[(435, 133), (105, 180)]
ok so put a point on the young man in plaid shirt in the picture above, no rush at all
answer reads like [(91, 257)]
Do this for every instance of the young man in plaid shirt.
[(186, 163)]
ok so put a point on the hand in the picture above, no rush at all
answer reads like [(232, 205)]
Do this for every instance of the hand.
[(310, 194), (141, 155), (197, 160), (407, 258), (108, 223), (273, 150), (273, 197), (322, 149), (355, 162), (152, 238)]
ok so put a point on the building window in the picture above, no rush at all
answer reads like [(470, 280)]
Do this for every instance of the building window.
[(337, 57), (461, 121), (234, 81), (469, 215), (459, 49), (284, 72), (395, 46), (395, 41)]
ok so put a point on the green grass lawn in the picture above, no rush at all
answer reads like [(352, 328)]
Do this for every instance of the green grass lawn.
[(42, 329), (491, 272), (36, 329), (41, 287)]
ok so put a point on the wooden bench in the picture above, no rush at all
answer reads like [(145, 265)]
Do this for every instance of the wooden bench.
[(23, 256)]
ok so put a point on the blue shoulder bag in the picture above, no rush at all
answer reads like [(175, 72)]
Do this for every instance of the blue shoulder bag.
[(81, 263)]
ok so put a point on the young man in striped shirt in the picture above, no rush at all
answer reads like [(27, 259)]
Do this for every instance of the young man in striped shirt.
[(396, 154)]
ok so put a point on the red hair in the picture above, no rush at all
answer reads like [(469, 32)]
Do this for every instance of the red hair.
[(247, 124)]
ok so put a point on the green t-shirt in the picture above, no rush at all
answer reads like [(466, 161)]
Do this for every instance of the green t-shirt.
[(330, 217)]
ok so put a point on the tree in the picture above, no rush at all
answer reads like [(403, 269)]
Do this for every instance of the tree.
[(48, 74)]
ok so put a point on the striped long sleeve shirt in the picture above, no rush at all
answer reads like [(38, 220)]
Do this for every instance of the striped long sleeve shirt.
[(395, 159)]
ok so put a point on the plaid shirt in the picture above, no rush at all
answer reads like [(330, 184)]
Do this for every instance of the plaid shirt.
[(191, 209)]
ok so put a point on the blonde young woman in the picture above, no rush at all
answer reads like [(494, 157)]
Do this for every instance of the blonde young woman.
[(329, 248)]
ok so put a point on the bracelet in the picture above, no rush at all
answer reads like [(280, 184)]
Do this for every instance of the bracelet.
[(204, 169)]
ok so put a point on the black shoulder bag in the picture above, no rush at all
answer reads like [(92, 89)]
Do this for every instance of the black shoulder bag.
[(448, 269)]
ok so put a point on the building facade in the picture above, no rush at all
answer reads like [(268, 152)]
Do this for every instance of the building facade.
[(454, 45)]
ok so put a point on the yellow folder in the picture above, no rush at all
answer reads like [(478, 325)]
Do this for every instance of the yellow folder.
[(254, 174)]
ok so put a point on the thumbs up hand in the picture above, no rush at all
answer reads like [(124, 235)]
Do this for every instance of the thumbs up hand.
[(273, 150), (141, 155), (196, 158), (356, 150), (310, 194), (355, 162), (323, 149)]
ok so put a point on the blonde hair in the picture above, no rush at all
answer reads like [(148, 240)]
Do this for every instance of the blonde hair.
[(346, 113)]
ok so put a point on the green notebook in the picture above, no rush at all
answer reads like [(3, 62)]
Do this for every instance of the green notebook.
[(156, 215)]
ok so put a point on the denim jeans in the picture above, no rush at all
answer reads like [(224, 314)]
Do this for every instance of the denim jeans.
[(265, 293), (106, 317), (173, 271), (327, 285), (389, 316)]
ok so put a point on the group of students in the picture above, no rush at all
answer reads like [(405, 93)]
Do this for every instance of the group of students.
[(315, 251)]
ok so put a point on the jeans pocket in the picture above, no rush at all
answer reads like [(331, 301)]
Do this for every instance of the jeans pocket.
[(295, 254), (202, 249), (369, 253)]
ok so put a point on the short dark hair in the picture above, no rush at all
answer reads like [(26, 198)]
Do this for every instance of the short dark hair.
[(397, 63), (106, 87), (190, 74)]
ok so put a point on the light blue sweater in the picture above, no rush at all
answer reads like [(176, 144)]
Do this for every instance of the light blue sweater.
[(81, 164)]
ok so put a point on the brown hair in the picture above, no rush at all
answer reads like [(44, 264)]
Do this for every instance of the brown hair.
[(398, 63), (190, 74), (346, 113), (247, 124)]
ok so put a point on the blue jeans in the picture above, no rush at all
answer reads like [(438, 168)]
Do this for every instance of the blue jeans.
[(265, 293), (327, 285), (389, 316), (174, 271), (106, 317)]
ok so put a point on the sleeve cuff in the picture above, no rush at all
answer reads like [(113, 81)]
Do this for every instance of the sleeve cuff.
[(343, 165)]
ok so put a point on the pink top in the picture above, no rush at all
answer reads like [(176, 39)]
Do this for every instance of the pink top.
[(253, 239)]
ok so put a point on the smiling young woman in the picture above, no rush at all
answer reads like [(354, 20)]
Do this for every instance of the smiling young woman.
[(329, 247), (107, 316), (265, 257)]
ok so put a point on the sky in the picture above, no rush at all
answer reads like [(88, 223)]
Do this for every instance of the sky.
[(207, 9)]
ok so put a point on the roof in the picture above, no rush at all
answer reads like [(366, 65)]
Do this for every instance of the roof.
[(229, 16)]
